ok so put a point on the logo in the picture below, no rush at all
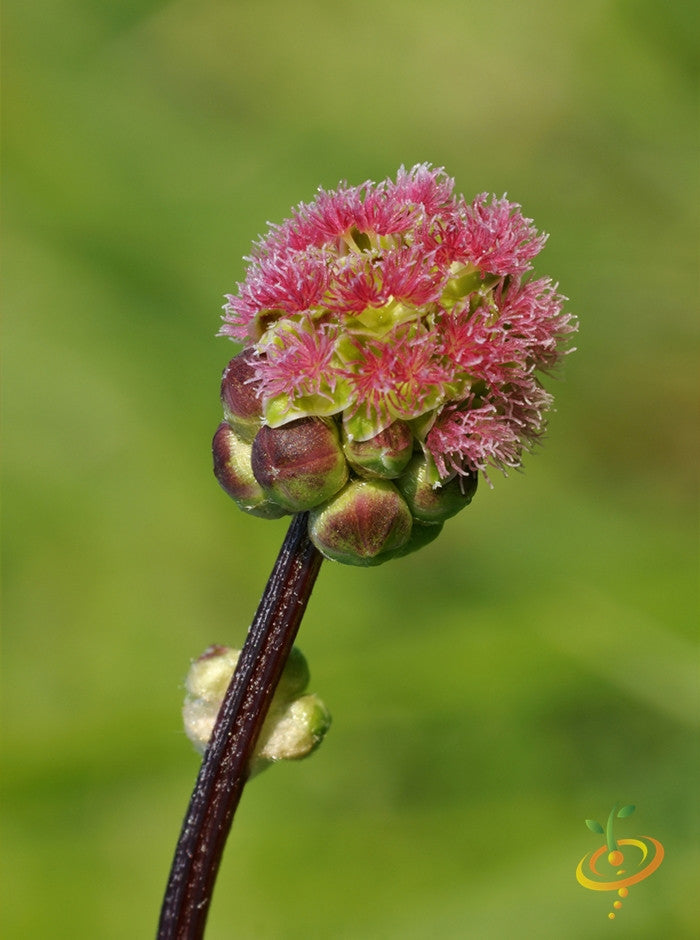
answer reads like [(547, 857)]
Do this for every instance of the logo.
[(620, 863)]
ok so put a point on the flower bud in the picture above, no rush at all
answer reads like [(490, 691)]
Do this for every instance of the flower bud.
[(241, 404), (232, 468), (295, 724), (363, 524), (430, 503), (292, 733), (385, 455), (421, 535), (300, 464), (295, 677), (205, 687)]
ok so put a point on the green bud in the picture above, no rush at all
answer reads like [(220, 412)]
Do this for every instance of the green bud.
[(421, 535), (430, 503), (242, 407), (205, 687), (363, 524), (295, 724), (385, 455), (211, 673), (293, 732), (300, 464), (295, 677), (233, 470)]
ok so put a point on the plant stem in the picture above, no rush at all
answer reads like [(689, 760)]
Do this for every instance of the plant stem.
[(224, 769)]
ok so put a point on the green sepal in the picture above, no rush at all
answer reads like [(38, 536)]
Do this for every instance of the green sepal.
[(421, 425), (362, 427), (282, 408), (432, 474), (378, 321), (465, 282)]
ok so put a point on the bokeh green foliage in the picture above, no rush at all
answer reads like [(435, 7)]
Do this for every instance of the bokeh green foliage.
[(527, 670)]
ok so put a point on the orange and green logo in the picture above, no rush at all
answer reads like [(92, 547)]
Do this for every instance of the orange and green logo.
[(619, 863)]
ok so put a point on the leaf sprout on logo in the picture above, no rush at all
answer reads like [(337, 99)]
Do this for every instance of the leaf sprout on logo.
[(615, 856)]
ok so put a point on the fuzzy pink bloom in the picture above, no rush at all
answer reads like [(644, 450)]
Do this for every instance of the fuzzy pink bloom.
[(471, 437), (478, 345), (400, 300), (300, 365), (533, 312), (397, 377), (334, 215), (357, 284), (290, 281), (497, 238), (424, 186), (409, 276), (361, 281)]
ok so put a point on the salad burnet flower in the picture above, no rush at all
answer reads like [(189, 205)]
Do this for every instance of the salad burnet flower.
[(393, 337)]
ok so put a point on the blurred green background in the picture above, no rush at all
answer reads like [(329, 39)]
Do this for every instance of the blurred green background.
[(528, 670)]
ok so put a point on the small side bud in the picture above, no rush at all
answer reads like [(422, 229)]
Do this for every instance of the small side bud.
[(292, 733), (385, 455), (294, 727), (233, 470), (295, 677), (433, 504), (205, 687), (300, 464), (242, 407), (363, 524)]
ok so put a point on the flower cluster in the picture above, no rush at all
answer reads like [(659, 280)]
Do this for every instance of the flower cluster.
[(390, 315)]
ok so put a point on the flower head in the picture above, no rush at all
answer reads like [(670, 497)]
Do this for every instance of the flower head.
[(401, 302)]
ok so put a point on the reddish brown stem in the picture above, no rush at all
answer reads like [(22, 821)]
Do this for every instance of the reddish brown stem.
[(224, 769)]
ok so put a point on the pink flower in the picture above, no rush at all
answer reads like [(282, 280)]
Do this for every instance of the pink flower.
[(497, 238), (400, 301), (288, 281), (398, 376), (532, 311), (300, 364), (471, 436)]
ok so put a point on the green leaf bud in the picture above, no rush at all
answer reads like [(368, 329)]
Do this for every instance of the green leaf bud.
[(295, 724), (363, 525), (385, 455), (295, 676), (300, 464), (430, 503), (233, 470), (205, 687), (242, 406), (292, 732)]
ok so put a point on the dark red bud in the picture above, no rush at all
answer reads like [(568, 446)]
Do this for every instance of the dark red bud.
[(300, 464), (242, 407), (233, 471), (363, 524)]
